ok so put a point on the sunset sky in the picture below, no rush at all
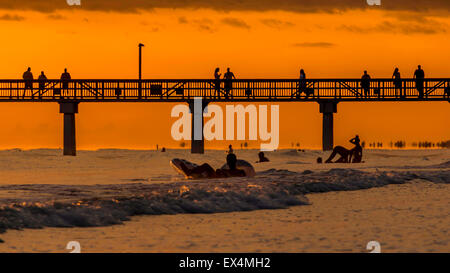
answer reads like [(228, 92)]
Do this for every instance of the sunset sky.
[(189, 38)]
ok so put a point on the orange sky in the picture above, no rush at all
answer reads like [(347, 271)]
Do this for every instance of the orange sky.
[(187, 43)]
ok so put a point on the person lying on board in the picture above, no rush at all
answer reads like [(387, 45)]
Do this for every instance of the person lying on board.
[(211, 173)]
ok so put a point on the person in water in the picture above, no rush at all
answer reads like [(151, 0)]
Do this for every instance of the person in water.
[(211, 173), (347, 156), (230, 149), (262, 158)]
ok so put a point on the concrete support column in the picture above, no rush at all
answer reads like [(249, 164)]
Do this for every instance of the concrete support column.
[(327, 108), (197, 107), (69, 109)]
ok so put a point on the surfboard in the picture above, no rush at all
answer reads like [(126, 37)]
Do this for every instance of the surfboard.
[(176, 164), (240, 164)]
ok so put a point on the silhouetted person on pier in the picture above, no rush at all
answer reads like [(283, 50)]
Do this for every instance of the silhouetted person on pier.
[(262, 158), (217, 82), (42, 81), (365, 84), (65, 79), (302, 85), (28, 78), (398, 83), (419, 75), (229, 76)]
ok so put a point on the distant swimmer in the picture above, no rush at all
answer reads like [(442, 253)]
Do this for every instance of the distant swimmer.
[(232, 168), (262, 158), (230, 149)]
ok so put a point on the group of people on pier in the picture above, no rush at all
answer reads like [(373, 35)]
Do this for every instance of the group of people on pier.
[(302, 87), (42, 79)]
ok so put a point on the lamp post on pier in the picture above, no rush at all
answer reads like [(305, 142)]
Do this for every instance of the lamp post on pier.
[(140, 70)]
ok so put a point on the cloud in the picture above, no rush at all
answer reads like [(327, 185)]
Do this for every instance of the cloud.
[(8, 17), (235, 22), (315, 44), (182, 20), (226, 5), (275, 23), (204, 24), (426, 26), (56, 17)]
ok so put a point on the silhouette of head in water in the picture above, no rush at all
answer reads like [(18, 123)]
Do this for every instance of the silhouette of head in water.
[(261, 155), (319, 160), (231, 161)]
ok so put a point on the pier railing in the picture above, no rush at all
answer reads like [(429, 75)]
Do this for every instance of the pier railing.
[(236, 90)]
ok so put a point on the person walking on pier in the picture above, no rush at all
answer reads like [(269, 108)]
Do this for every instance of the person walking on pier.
[(229, 76), (217, 76), (302, 85), (365, 84), (42, 81), (28, 78), (419, 75), (65, 79), (398, 83)]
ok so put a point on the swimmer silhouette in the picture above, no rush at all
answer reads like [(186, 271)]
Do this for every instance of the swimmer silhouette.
[(262, 158)]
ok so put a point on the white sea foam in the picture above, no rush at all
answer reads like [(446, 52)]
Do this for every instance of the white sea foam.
[(36, 206)]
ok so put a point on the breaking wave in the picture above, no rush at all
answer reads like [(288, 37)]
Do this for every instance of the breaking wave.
[(38, 206)]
